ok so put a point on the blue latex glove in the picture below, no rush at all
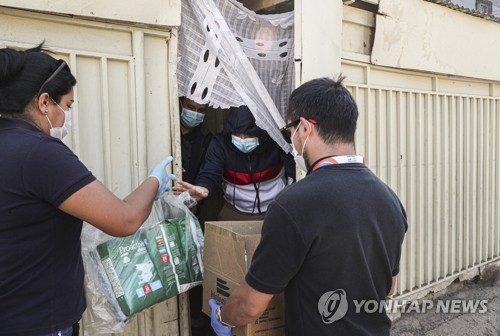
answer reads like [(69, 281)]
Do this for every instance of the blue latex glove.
[(219, 328), (163, 177)]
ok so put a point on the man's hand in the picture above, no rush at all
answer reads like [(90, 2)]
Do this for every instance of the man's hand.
[(196, 192), (217, 326)]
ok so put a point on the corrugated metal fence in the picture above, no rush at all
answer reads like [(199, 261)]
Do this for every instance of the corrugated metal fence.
[(438, 149)]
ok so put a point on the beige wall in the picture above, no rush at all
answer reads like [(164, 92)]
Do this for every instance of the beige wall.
[(432, 137), (150, 12), (318, 39), (419, 35)]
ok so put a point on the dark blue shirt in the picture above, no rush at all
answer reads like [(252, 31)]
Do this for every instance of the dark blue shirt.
[(41, 270)]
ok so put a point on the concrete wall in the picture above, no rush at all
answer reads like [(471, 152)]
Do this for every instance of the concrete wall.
[(423, 36), (151, 12)]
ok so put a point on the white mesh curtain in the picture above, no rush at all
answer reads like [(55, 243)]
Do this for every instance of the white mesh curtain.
[(230, 56)]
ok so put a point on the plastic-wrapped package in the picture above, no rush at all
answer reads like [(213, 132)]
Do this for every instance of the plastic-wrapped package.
[(165, 252), (126, 275), (130, 270)]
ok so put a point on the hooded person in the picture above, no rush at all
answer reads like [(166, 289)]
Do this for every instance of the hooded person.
[(247, 164)]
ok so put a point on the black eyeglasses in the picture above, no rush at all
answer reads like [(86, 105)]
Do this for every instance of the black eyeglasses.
[(59, 68), (284, 130)]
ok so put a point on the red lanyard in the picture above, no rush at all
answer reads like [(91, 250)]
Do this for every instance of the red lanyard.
[(341, 159)]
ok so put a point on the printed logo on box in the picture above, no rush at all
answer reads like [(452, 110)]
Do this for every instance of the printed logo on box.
[(222, 287), (221, 292)]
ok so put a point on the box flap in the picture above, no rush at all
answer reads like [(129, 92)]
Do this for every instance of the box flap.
[(229, 247)]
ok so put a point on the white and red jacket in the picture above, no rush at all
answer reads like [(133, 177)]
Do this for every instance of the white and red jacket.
[(249, 181)]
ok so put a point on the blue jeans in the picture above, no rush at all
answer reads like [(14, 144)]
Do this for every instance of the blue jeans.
[(64, 332)]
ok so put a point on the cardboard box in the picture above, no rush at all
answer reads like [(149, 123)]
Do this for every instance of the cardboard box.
[(229, 248)]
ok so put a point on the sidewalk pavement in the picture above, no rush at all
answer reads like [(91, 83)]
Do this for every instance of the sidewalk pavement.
[(432, 323)]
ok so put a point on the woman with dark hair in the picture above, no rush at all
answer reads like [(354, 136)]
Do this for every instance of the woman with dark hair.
[(45, 195)]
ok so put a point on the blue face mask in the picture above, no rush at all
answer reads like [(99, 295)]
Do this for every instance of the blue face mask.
[(191, 119), (245, 145)]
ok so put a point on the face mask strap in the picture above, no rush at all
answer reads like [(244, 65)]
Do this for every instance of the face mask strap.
[(59, 105), (304, 145), (61, 108), (46, 116), (296, 129), (60, 132)]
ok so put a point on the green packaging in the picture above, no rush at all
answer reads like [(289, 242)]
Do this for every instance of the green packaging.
[(155, 264), (190, 251), (132, 274), (160, 244), (174, 254)]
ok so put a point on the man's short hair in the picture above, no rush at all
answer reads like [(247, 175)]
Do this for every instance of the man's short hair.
[(328, 102)]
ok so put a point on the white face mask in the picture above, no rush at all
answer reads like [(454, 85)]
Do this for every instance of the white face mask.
[(61, 132), (245, 145), (299, 159)]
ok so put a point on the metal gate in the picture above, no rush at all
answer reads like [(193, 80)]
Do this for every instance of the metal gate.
[(434, 140)]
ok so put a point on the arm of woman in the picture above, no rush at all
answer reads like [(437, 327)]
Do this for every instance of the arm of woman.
[(99, 207), (61, 179)]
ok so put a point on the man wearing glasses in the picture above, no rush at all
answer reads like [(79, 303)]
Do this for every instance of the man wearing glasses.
[(329, 239)]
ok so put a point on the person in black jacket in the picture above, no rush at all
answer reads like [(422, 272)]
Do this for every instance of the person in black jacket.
[(249, 167), (195, 138)]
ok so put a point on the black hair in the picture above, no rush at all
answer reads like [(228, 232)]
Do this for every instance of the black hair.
[(330, 104), (22, 75)]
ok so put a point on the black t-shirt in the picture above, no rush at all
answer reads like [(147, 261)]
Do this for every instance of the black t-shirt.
[(41, 269), (340, 228)]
